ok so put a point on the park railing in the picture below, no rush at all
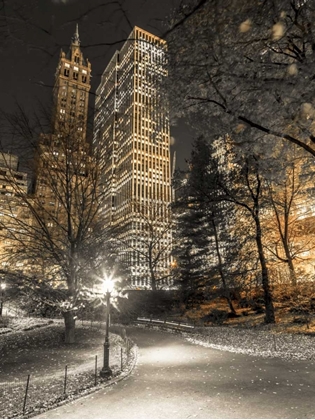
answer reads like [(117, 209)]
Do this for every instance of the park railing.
[(178, 326), (37, 392)]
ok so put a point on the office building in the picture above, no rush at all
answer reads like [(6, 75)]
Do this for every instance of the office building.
[(132, 136), (14, 214)]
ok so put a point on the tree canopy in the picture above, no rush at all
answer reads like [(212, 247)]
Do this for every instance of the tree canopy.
[(248, 67)]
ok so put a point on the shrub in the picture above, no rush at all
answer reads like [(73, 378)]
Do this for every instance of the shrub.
[(216, 316)]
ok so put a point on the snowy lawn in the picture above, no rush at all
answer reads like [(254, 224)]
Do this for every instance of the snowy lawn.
[(264, 341), (41, 353), (9, 324)]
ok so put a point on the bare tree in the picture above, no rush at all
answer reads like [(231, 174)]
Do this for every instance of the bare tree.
[(290, 193), (62, 243), (242, 183), (148, 249)]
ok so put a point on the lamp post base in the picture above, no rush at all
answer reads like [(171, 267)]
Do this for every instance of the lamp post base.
[(106, 372)]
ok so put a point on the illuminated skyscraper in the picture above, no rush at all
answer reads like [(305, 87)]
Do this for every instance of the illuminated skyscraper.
[(132, 134), (71, 90)]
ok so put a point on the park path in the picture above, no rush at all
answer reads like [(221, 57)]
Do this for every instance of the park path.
[(176, 379)]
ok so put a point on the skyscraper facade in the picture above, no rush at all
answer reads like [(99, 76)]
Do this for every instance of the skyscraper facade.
[(132, 135)]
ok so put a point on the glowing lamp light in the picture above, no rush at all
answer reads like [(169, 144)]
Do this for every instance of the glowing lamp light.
[(108, 285), (3, 286)]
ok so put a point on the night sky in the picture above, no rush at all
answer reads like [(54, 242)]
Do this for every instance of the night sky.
[(38, 29)]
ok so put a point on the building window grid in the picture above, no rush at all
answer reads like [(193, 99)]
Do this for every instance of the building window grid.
[(142, 174)]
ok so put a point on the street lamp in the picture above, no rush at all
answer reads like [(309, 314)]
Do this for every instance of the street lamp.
[(108, 285), (2, 286)]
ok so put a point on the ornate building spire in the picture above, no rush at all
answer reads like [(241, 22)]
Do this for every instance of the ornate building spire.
[(75, 39)]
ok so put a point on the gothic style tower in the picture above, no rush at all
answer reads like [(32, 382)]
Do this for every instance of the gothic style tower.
[(64, 154), (71, 90)]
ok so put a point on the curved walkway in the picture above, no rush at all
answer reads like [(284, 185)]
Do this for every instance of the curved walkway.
[(177, 379)]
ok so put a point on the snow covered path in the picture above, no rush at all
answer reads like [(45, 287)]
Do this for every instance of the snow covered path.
[(177, 379)]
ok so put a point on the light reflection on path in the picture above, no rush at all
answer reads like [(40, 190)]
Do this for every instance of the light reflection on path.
[(177, 379)]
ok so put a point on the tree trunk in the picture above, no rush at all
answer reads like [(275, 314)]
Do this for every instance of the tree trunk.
[(227, 292), (153, 279), (69, 327), (290, 264), (284, 232), (270, 314), (230, 303)]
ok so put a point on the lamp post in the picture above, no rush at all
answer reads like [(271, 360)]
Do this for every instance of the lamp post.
[(2, 286), (106, 370)]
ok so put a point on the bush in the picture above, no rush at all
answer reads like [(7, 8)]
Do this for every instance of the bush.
[(232, 315), (245, 303), (255, 303), (259, 309), (4, 330), (300, 320), (216, 316), (299, 310), (4, 322)]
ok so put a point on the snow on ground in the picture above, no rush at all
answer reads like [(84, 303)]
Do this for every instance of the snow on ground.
[(10, 324), (259, 342)]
